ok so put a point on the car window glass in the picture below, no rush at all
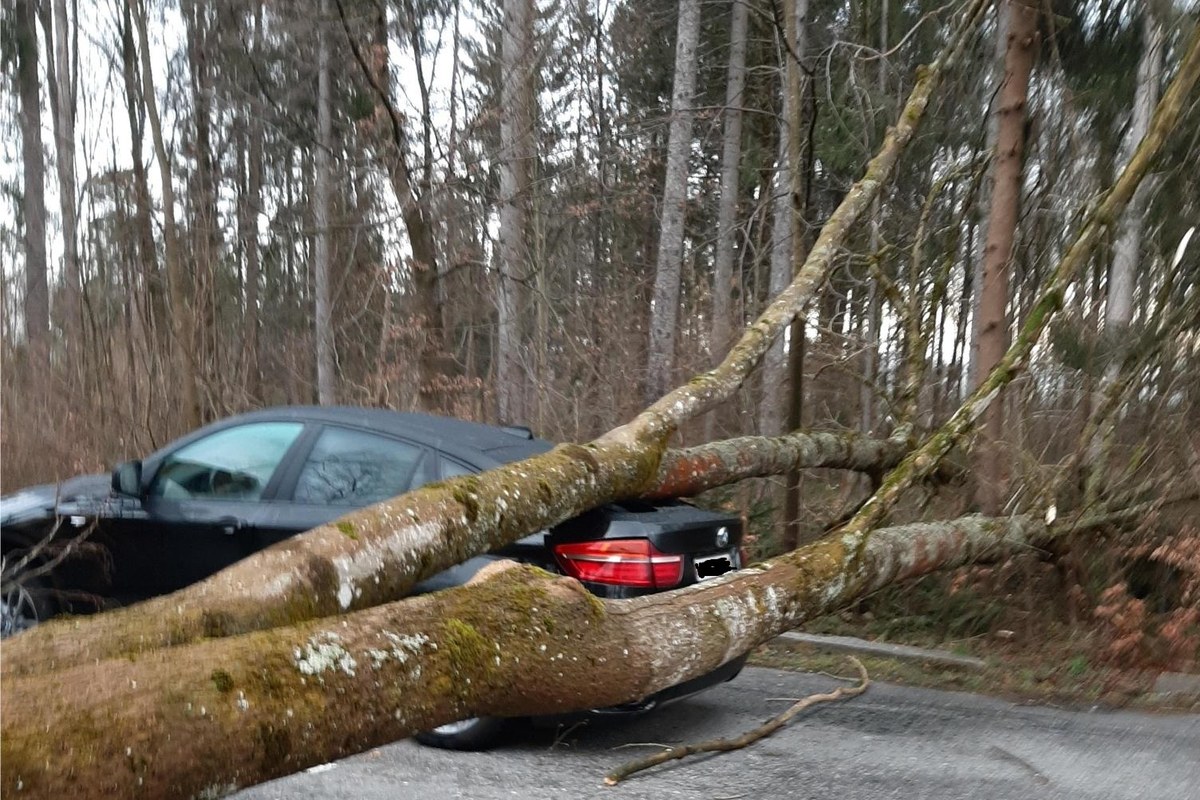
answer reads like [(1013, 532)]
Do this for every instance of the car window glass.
[(353, 468), (424, 473), (452, 469), (233, 464)]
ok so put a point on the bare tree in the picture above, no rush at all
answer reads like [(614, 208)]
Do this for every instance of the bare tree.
[(668, 267), (181, 312), (787, 246), (1124, 268), (250, 207), (731, 151), (154, 301), (517, 148), (411, 187), (63, 72), (37, 296), (323, 319)]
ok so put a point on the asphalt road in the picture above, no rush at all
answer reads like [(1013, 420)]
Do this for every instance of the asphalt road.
[(892, 742)]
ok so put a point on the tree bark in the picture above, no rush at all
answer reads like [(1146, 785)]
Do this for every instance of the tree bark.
[(181, 312), (731, 151), (251, 208), (323, 319), (63, 98), (787, 247), (991, 324), (231, 712), (517, 148), (668, 267), (37, 294), (684, 473)]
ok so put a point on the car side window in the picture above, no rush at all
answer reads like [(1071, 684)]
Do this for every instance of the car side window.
[(354, 468), (452, 469), (233, 464)]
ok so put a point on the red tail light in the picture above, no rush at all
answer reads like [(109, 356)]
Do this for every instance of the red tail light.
[(621, 562)]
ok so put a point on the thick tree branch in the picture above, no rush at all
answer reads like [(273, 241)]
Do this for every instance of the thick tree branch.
[(684, 473)]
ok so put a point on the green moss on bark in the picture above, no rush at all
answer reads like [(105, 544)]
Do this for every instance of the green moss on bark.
[(222, 680)]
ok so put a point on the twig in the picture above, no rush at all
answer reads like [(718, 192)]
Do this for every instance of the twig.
[(725, 745)]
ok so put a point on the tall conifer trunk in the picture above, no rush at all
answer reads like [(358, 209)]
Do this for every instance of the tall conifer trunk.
[(991, 323)]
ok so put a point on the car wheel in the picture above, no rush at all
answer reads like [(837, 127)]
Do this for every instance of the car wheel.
[(476, 733), (23, 604)]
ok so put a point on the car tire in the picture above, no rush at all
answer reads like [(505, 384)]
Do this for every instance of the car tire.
[(476, 733), (24, 604)]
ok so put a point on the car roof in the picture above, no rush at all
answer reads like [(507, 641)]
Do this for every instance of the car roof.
[(457, 437)]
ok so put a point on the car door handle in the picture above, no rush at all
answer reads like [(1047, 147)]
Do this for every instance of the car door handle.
[(230, 525)]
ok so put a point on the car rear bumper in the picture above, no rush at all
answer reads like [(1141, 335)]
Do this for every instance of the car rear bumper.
[(723, 673)]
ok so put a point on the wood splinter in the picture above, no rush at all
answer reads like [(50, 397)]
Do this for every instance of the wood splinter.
[(749, 737)]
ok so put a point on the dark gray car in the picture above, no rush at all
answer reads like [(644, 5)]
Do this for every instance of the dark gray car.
[(242, 484)]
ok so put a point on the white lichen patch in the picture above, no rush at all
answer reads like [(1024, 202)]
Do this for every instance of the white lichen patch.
[(323, 653), (345, 594), (738, 621), (400, 647), (378, 657), (677, 648), (773, 605), (373, 557)]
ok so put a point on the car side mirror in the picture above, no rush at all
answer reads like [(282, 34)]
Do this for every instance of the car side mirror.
[(127, 479)]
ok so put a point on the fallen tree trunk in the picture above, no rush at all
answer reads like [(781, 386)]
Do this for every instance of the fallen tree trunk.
[(204, 718), (379, 554), (220, 606)]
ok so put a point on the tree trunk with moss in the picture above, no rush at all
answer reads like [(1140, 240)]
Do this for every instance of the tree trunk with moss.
[(220, 714), (460, 515)]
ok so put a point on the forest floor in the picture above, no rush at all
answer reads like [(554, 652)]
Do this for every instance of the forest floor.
[(1050, 664)]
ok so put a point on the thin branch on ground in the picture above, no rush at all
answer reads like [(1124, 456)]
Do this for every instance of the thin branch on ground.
[(749, 737)]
